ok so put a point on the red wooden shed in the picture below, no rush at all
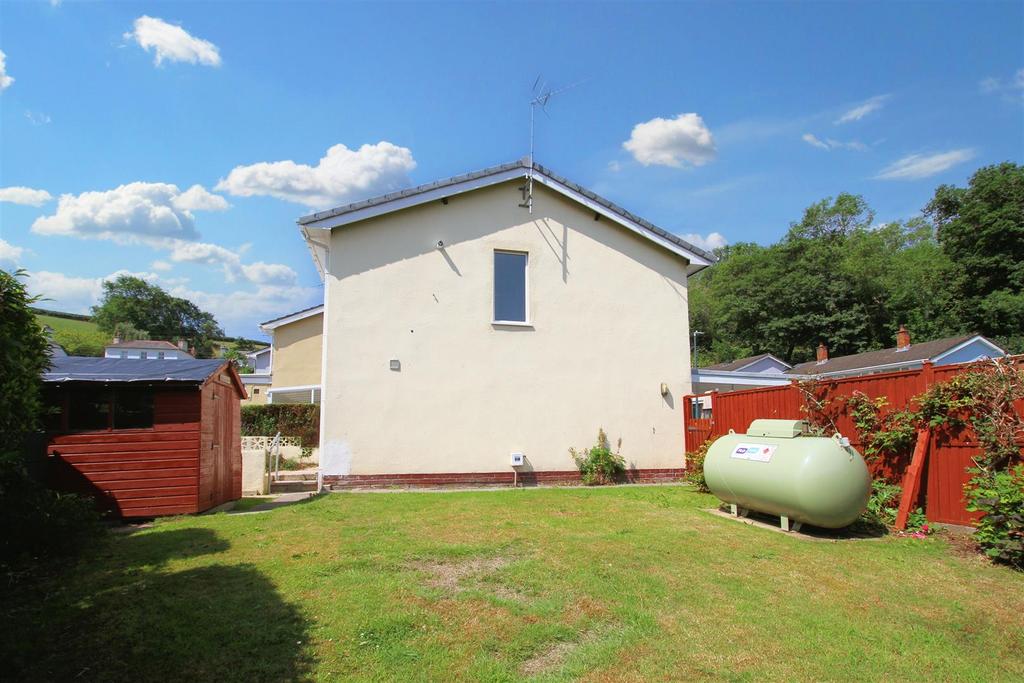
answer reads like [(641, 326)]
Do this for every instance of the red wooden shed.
[(146, 437)]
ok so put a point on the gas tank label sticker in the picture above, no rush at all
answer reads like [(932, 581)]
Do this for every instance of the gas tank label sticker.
[(753, 451)]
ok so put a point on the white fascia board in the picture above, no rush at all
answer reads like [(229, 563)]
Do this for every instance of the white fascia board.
[(303, 387), (978, 338), (267, 327), (319, 249), (697, 261), (415, 200), (737, 377)]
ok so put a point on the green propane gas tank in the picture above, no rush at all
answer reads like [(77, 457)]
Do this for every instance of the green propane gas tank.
[(777, 469)]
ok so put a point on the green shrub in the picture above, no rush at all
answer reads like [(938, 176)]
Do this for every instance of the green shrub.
[(884, 503), (291, 419), (695, 466), (599, 465), (1001, 531)]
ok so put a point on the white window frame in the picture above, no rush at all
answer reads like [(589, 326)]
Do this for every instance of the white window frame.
[(526, 289)]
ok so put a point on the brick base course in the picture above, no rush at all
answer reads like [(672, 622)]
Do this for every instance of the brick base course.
[(478, 479)]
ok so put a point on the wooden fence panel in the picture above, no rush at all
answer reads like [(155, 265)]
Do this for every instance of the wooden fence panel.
[(948, 458)]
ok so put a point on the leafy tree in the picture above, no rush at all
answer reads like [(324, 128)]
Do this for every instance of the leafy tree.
[(144, 306), (835, 277), (981, 230), (24, 355)]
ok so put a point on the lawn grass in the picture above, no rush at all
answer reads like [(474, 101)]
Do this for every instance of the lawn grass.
[(627, 583)]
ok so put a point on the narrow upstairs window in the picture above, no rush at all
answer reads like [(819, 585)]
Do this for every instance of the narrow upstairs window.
[(510, 287)]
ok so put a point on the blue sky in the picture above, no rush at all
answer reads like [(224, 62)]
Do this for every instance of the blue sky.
[(717, 121)]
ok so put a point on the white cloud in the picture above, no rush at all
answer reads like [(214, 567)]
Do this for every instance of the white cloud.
[(1011, 89), (258, 273), (172, 43), (829, 144), (162, 266), (862, 109), (341, 177), (136, 212), (198, 198), (672, 142), (242, 308), (5, 80), (24, 195), (810, 139), (10, 255), (37, 118), (713, 241), (917, 166)]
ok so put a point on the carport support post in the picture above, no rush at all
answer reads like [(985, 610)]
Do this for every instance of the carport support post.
[(784, 522)]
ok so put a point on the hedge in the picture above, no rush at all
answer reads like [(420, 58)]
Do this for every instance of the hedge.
[(291, 419)]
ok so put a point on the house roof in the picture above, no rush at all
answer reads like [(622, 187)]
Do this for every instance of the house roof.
[(292, 317), (741, 363), (130, 371), (915, 353), (144, 344), (368, 208)]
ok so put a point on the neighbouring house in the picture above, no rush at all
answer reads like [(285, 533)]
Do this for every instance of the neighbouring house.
[(503, 313), (904, 356), (147, 349), (289, 370), (763, 370), (258, 381), (146, 438)]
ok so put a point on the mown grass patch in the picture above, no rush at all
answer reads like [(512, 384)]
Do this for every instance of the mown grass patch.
[(629, 583)]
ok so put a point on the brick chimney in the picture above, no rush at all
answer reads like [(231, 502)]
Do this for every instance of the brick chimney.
[(822, 353), (902, 339)]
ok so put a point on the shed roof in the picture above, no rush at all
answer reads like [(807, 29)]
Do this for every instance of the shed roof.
[(131, 371), (871, 359), (394, 201)]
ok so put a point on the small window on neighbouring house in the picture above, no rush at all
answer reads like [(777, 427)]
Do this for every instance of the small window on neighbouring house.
[(160, 355), (143, 355), (510, 286), (133, 409), (256, 391), (124, 354)]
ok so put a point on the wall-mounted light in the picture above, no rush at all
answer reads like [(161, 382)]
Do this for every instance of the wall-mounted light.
[(395, 364), (664, 389), (440, 244)]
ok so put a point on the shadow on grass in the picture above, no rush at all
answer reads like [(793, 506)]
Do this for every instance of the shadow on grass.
[(142, 623)]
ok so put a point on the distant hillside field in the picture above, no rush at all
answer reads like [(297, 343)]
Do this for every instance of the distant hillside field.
[(80, 336)]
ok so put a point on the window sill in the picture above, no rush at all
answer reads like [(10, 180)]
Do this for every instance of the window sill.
[(511, 323)]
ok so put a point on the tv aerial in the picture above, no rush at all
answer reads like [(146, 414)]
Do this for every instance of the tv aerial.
[(542, 94)]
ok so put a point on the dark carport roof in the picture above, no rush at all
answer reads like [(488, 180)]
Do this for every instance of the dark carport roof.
[(123, 370)]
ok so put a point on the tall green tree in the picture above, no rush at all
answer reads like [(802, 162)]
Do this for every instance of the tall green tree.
[(24, 355), (835, 277), (132, 301), (981, 231)]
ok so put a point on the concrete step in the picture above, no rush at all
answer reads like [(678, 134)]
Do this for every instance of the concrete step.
[(296, 476), (293, 486)]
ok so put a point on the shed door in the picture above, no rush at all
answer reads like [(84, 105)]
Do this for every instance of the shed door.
[(221, 446)]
